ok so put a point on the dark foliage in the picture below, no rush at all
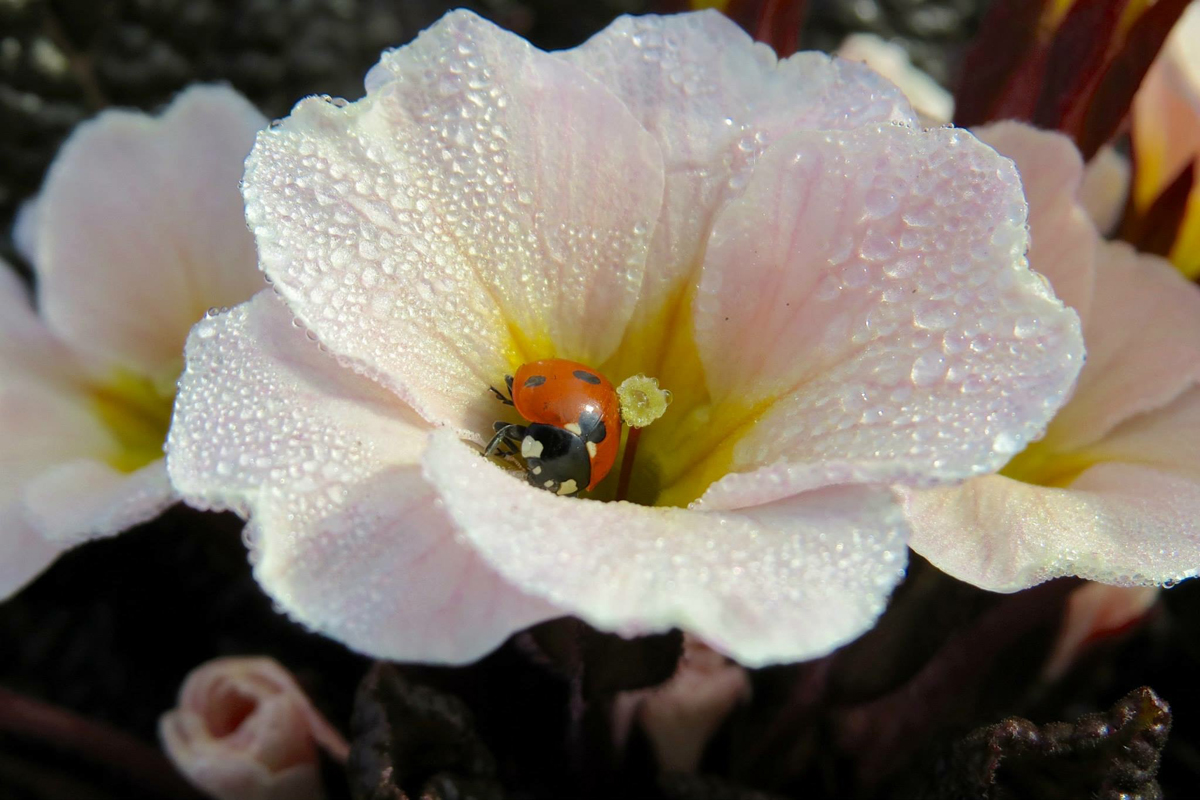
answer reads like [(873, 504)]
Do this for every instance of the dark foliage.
[(1110, 756), (1077, 76), (413, 741)]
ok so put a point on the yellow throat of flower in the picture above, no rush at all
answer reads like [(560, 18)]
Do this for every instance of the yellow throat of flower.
[(137, 414), (1041, 464)]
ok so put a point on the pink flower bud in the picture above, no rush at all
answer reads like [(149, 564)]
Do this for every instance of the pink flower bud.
[(244, 730)]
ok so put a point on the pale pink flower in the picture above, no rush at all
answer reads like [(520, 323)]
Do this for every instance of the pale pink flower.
[(1112, 492), (244, 730), (928, 98), (137, 232), (838, 299)]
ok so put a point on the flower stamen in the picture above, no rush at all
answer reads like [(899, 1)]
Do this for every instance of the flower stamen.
[(642, 402)]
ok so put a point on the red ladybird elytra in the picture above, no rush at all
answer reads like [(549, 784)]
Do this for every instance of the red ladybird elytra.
[(574, 433)]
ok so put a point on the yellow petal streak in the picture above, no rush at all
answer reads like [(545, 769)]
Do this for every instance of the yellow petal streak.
[(691, 446), (1185, 253), (137, 414), (1040, 464)]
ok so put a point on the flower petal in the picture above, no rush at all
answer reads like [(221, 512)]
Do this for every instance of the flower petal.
[(1118, 523), (1063, 241), (1166, 109), (85, 499), (24, 552), (1143, 344), (867, 301), (152, 205), (1131, 518), (929, 99), (28, 351), (1105, 189), (346, 535), (714, 99), (40, 427), (485, 205), (781, 582)]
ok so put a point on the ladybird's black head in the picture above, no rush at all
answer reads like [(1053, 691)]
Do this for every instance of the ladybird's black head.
[(556, 459)]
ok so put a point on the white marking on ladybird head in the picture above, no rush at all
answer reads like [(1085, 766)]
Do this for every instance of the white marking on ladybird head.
[(574, 428), (568, 487), (537, 470), (531, 447), (591, 446), (549, 484)]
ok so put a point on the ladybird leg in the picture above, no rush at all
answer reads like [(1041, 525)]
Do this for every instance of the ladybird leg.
[(500, 396), (504, 434)]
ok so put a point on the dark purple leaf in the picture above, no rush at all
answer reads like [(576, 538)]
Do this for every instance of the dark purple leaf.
[(1113, 93), (1078, 53), (1001, 67), (1156, 230)]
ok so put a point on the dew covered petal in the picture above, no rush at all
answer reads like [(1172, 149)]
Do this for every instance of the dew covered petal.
[(867, 300), (486, 205), (1062, 238), (714, 100), (152, 205), (779, 582), (1130, 518), (1119, 523), (346, 536)]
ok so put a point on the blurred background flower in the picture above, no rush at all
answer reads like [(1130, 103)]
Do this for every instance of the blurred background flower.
[(136, 233)]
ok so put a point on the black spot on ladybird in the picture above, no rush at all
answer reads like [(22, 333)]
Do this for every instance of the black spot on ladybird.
[(534, 380), (586, 377)]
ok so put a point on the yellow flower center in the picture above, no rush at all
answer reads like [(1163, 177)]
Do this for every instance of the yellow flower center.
[(137, 413), (691, 445)]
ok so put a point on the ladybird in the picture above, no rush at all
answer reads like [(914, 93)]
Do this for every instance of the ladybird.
[(574, 428)]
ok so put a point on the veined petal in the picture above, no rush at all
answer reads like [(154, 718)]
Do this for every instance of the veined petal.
[(345, 533), (1143, 343), (485, 205), (1063, 240), (152, 205), (780, 582), (714, 100), (867, 300)]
